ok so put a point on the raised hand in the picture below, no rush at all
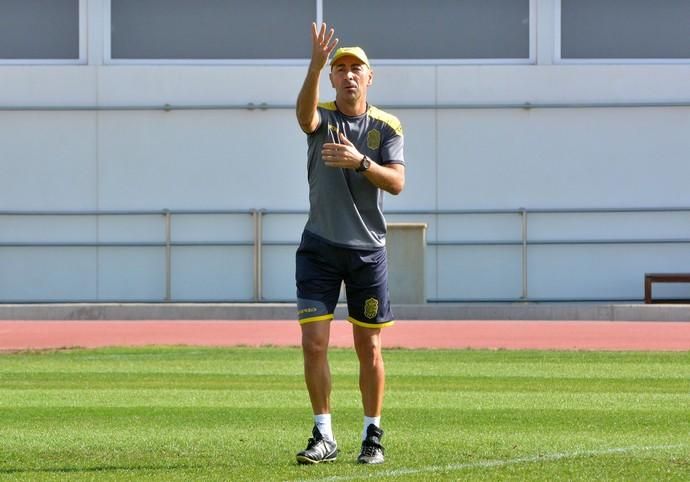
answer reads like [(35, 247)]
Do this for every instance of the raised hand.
[(323, 44)]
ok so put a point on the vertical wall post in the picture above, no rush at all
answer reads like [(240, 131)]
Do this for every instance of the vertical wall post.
[(525, 293), (258, 250), (168, 254)]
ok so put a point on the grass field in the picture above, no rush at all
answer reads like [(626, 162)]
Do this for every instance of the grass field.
[(242, 414)]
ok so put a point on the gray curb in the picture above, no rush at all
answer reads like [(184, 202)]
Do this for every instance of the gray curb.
[(287, 311)]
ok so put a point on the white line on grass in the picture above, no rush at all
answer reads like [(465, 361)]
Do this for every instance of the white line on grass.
[(504, 462)]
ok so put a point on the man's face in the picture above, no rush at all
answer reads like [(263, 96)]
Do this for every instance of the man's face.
[(350, 78)]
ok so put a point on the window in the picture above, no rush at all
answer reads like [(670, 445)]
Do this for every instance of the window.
[(42, 31), (257, 31), (204, 31), (624, 30), (455, 31)]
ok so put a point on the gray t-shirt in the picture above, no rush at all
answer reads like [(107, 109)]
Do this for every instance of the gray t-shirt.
[(346, 209)]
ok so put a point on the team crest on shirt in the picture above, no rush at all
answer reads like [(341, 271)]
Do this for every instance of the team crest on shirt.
[(374, 139), (371, 308)]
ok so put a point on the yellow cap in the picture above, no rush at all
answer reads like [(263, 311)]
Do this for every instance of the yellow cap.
[(356, 52)]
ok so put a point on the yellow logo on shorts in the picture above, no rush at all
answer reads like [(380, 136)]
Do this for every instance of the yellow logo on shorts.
[(374, 139), (371, 308)]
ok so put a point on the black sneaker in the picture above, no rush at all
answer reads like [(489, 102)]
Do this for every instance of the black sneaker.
[(372, 450), (318, 450)]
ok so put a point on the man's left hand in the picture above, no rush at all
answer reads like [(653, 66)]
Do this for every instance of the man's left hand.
[(344, 155)]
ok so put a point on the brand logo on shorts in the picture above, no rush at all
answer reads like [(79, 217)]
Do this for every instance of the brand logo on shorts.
[(373, 139), (371, 308)]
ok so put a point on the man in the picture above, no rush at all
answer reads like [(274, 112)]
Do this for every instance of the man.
[(355, 153)]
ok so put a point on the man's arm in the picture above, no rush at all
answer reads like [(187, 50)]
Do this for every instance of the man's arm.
[(308, 98), (389, 177)]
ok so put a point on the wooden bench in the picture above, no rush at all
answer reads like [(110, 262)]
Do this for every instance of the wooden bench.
[(650, 278)]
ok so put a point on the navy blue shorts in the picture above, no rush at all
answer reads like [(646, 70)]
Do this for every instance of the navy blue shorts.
[(322, 267)]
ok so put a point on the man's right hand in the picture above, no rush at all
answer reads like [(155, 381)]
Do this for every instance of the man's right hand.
[(323, 44)]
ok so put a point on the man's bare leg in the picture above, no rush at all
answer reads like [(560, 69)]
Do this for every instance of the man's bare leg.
[(317, 374), (371, 384), (371, 370)]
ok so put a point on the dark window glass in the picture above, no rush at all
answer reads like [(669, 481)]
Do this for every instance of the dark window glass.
[(211, 29), (39, 29), (437, 29), (625, 29)]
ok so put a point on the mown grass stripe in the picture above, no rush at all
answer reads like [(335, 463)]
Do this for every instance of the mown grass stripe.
[(489, 464)]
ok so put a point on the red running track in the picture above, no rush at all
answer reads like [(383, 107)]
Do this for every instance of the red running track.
[(541, 335)]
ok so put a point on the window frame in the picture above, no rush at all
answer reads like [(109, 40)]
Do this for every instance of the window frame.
[(558, 54), (108, 60), (83, 50)]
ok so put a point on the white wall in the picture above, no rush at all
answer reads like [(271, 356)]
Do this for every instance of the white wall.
[(458, 159)]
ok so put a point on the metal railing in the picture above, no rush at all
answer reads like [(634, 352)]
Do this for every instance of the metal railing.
[(258, 243), (264, 106), (167, 242)]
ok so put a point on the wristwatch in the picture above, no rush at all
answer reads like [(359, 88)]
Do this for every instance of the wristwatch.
[(364, 164)]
